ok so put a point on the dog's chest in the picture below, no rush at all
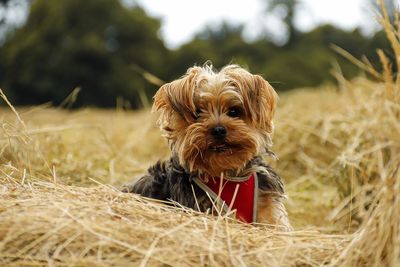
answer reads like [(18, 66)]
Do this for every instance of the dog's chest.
[(238, 196)]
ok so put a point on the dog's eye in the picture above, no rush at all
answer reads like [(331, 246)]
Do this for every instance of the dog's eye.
[(197, 114), (234, 112)]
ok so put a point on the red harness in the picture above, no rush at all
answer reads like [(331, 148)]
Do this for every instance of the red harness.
[(236, 195)]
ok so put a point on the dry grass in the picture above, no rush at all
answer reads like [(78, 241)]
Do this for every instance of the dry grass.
[(339, 155), (47, 223)]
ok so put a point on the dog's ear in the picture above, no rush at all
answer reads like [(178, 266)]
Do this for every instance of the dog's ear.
[(264, 101), (177, 95), (175, 99)]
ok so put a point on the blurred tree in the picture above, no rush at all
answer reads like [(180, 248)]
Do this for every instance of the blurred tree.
[(286, 9), (93, 44), (102, 46), (306, 62)]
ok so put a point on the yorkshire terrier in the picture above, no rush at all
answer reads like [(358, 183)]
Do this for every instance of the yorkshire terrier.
[(218, 126)]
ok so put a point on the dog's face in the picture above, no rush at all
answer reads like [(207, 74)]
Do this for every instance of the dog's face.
[(216, 122)]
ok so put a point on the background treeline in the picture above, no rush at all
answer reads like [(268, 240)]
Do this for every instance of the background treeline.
[(104, 47)]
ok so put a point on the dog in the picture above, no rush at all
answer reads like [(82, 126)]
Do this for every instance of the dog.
[(218, 126)]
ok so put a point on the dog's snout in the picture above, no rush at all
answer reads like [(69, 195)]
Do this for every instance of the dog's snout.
[(219, 132)]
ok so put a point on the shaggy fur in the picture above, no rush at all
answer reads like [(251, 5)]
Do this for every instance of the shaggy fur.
[(216, 123), (168, 180)]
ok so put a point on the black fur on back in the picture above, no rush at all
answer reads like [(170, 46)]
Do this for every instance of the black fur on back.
[(168, 180)]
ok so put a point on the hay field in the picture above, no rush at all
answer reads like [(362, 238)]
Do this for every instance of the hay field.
[(339, 155)]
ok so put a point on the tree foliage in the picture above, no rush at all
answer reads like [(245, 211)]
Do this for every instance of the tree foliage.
[(92, 44), (99, 45), (289, 8), (306, 62)]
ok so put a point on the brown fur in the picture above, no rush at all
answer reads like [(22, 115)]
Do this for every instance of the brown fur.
[(213, 94), (271, 210), (191, 107)]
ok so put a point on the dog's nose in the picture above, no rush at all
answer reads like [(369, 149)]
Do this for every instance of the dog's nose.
[(219, 132)]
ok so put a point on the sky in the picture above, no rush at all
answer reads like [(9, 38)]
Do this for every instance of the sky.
[(183, 19)]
